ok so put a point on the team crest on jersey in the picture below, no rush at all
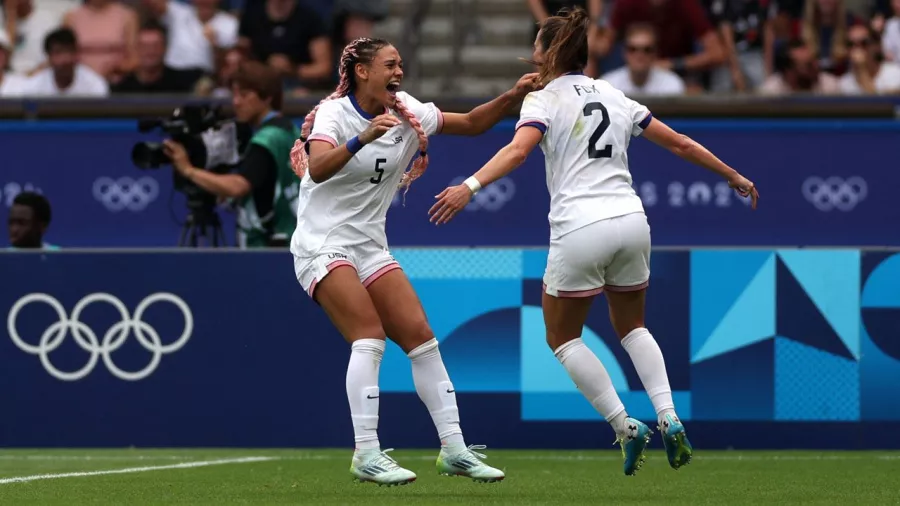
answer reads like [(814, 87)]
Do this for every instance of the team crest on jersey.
[(398, 139)]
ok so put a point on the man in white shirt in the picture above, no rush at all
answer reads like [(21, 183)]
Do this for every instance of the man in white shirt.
[(32, 21), (867, 74), (640, 75), (198, 33), (10, 83), (65, 77)]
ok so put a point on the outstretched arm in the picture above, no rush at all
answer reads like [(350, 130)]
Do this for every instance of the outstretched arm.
[(454, 199), (480, 119), (694, 152)]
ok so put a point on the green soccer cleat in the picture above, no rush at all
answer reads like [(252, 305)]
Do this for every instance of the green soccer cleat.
[(374, 466), (467, 463), (633, 443), (678, 448)]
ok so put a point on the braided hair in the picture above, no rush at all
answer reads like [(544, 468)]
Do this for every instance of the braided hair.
[(362, 50)]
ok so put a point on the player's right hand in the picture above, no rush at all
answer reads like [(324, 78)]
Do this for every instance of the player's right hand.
[(745, 188), (378, 127)]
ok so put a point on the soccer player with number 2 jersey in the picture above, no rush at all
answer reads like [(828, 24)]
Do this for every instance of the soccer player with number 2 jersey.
[(599, 235)]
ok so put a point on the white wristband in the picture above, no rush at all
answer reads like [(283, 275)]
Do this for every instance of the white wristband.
[(473, 184)]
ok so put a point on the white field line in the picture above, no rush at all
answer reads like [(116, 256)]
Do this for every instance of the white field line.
[(183, 465), (539, 458)]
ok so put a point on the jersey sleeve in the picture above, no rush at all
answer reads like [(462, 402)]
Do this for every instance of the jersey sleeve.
[(327, 125), (535, 112), (431, 118), (640, 116)]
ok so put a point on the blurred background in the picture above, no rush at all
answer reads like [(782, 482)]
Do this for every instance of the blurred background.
[(133, 316)]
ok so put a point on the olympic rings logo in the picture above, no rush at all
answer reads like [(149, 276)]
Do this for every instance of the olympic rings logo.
[(835, 192), (113, 339), (492, 197), (126, 193)]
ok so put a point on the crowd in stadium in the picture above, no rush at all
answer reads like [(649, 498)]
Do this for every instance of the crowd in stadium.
[(646, 47)]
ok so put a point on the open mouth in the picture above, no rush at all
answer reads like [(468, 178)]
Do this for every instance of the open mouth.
[(393, 87)]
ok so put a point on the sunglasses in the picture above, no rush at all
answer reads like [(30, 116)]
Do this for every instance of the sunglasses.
[(640, 49), (863, 43)]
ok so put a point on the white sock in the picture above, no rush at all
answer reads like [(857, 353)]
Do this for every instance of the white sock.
[(593, 381), (434, 388), (650, 366), (362, 391)]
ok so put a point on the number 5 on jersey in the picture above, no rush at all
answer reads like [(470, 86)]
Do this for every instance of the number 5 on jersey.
[(378, 170), (593, 152)]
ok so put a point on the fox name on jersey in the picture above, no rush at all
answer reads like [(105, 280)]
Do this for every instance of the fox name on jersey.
[(350, 207)]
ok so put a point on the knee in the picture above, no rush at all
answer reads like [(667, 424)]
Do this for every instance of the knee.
[(557, 339), (418, 334)]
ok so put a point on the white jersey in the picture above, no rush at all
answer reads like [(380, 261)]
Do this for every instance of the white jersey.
[(587, 127), (350, 208)]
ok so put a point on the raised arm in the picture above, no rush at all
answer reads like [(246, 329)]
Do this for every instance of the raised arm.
[(482, 118), (454, 199), (694, 152)]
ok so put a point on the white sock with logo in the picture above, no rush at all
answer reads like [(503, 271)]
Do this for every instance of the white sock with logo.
[(436, 391), (362, 391), (593, 381), (651, 367)]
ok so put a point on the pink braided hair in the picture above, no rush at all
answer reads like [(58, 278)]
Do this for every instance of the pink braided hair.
[(360, 50)]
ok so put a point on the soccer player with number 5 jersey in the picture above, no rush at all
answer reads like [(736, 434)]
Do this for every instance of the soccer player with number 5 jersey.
[(352, 157), (599, 235)]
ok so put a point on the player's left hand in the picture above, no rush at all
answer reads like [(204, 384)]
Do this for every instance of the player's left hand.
[(527, 84), (745, 188), (450, 201), (176, 152)]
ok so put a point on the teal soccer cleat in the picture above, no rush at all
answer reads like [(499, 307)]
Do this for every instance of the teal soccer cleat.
[(635, 441), (678, 448)]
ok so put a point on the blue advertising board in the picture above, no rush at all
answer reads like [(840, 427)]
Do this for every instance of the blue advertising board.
[(822, 183), (202, 348)]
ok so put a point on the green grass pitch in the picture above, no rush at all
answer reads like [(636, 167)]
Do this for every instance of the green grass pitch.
[(268, 477)]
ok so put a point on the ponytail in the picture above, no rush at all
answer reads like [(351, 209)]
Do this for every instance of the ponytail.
[(564, 40)]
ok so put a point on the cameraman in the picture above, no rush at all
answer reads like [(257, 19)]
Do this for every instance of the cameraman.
[(264, 185)]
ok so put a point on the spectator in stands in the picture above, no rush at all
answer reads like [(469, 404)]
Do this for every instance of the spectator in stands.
[(66, 76), (797, 71), (542, 9), (868, 73), (107, 37), (890, 39), (199, 33), (681, 26), (29, 23), (356, 18), (152, 74), (290, 37), (10, 82), (219, 86), (640, 75), (825, 25), (744, 26), (29, 218)]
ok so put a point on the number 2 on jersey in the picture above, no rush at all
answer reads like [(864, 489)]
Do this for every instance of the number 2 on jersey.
[(378, 170), (593, 152)]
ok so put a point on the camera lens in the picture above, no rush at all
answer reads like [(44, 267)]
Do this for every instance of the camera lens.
[(148, 155)]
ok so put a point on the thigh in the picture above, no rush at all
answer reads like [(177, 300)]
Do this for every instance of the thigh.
[(564, 318), (629, 269), (400, 310), (332, 281)]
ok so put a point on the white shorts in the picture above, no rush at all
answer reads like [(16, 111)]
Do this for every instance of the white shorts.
[(370, 260), (611, 254)]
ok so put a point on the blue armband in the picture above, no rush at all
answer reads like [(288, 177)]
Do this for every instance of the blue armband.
[(354, 145)]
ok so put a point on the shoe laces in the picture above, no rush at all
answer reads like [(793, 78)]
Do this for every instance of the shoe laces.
[(384, 460), (471, 451)]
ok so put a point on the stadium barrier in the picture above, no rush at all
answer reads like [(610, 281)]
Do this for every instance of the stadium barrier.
[(823, 182), (765, 348)]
